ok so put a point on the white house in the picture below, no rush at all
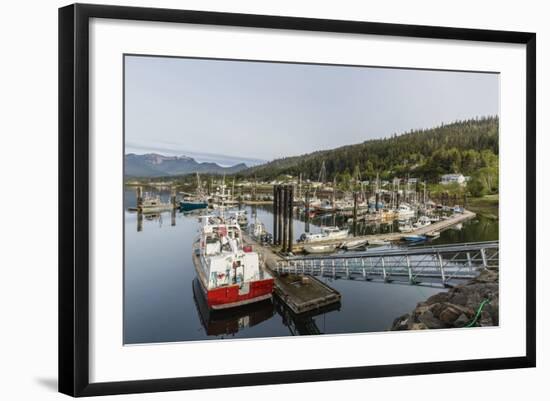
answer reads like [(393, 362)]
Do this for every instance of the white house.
[(453, 178)]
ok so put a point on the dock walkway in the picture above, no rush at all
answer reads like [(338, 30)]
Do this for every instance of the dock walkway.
[(396, 236)]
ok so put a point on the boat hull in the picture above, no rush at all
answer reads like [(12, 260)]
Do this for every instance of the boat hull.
[(231, 296), (188, 206), (316, 249)]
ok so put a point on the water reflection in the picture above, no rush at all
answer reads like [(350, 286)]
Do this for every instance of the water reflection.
[(304, 324), (160, 304), (228, 322)]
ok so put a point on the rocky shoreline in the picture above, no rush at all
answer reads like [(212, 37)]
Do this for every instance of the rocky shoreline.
[(474, 304)]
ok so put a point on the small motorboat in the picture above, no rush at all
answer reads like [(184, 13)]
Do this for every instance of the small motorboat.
[(423, 221), (326, 234), (377, 242), (405, 211), (153, 204), (406, 227), (354, 244), (433, 234), (415, 238), (329, 248), (191, 204)]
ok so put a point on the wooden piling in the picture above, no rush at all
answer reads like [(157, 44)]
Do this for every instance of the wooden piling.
[(376, 201), (173, 197), (285, 219), (139, 198), (280, 215), (275, 214), (139, 221), (290, 218)]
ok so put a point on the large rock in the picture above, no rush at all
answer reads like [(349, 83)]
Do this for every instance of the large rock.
[(431, 321), (419, 326), (401, 323), (457, 307), (451, 312), (461, 321)]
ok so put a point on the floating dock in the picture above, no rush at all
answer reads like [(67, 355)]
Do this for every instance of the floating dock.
[(397, 236), (304, 293), (300, 294)]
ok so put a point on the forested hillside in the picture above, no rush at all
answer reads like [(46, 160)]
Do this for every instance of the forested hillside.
[(460, 147)]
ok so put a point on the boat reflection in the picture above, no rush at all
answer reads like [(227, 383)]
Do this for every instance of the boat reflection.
[(229, 321), (157, 216)]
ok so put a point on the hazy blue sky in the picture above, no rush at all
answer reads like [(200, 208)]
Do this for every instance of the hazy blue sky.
[(233, 111)]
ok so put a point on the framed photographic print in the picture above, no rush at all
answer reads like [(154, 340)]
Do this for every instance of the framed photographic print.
[(250, 199)]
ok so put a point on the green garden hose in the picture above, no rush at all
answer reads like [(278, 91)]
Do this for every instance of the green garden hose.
[(479, 309)]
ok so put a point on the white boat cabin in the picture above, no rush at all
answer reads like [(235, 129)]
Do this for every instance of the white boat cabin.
[(223, 258)]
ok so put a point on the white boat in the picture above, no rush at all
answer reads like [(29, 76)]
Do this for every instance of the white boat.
[(326, 234), (405, 211), (423, 221), (433, 234), (406, 227), (230, 273), (242, 218), (325, 207), (258, 231), (377, 242), (354, 244), (320, 248), (153, 204)]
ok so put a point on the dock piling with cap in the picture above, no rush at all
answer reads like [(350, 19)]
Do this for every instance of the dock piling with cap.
[(290, 219), (275, 214)]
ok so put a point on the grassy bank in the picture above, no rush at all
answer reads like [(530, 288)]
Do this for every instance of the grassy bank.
[(486, 206)]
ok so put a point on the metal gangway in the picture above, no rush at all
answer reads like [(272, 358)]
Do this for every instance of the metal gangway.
[(440, 264)]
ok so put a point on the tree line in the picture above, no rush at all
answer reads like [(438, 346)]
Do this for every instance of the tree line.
[(469, 147)]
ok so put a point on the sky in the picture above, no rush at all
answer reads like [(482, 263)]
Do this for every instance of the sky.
[(239, 111)]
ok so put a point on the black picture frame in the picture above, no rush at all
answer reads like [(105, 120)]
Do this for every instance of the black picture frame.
[(74, 198)]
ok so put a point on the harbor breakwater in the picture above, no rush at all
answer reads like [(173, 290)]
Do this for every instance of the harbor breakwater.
[(474, 304)]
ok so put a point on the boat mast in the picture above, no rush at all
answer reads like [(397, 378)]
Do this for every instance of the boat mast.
[(424, 193)]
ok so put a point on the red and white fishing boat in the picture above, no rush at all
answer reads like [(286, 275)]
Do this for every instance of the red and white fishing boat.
[(230, 273)]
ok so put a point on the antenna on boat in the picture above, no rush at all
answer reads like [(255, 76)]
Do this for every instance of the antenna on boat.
[(222, 197)]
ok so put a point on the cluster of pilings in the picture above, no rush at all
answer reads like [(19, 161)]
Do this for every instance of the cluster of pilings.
[(283, 232)]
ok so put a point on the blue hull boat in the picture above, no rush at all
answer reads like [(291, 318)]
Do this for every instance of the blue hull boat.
[(187, 206), (415, 238)]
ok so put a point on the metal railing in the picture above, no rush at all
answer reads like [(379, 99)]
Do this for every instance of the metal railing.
[(444, 263)]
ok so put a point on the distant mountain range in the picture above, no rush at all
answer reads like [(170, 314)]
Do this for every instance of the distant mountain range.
[(156, 165)]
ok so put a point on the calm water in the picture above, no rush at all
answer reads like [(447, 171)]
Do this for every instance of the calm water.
[(162, 304)]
